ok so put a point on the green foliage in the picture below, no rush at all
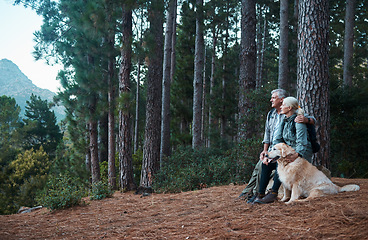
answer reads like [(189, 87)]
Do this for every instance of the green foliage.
[(27, 164), (101, 190), (41, 127), (349, 132), (188, 169), (137, 164), (68, 161), (62, 192), (29, 189), (10, 122), (182, 87), (10, 142), (27, 175), (256, 116), (104, 169)]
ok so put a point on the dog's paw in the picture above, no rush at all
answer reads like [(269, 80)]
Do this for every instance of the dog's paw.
[(290, 202)]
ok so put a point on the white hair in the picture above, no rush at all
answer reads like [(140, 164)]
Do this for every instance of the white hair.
[(293, 103)]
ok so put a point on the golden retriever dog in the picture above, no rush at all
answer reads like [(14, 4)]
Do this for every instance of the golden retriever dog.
[(301, 179)]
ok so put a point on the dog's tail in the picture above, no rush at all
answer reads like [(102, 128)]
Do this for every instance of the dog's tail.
[(349, 188)]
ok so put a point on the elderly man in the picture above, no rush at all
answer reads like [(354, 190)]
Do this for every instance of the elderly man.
[(274, 118)]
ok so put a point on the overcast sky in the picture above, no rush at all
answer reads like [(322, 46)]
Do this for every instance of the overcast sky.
[(17, 25)]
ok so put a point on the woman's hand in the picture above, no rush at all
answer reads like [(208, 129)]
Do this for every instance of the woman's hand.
[(291, 158)]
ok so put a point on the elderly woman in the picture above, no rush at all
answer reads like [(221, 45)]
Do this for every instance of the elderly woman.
[(294, 135)]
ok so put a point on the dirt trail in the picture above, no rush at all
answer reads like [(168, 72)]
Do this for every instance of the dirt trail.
[(212, 213)]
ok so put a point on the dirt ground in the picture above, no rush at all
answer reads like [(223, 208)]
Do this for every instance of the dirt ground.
[(211, 213)]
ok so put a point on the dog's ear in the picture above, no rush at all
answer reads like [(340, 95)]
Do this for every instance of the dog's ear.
[(283, 152)]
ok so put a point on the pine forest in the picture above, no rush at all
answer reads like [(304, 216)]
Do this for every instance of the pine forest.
[(171, 96)]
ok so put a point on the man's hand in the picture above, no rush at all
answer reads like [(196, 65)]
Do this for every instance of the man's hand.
[(263, 157), (301, 119)]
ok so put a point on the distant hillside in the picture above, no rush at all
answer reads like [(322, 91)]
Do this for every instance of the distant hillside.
[(14, 83)]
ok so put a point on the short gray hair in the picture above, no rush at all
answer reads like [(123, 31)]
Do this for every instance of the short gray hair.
[(281, 93)]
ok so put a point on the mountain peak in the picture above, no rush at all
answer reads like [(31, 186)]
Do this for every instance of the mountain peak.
[(14, 83), (10, 71)]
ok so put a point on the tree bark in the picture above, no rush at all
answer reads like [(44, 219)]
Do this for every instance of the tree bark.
[(224, 59), (103, 133), (212, 85), (313, 79), (125, 141), (151, 149), (111, 102), (88, 152), (283, 49), (93, 144), (136, 125), (137, 118), (198, 77), (203, 118), (260, 77), (259, 46), (93, 132), (247, 71), (173, 44), (348, 42), (166, 82)]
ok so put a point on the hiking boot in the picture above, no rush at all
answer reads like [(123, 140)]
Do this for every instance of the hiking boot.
[(252, 198), (269, 198), (243, 196)]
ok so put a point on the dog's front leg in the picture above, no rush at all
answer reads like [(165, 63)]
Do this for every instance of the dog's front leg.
[(295, 194), (287, 193)]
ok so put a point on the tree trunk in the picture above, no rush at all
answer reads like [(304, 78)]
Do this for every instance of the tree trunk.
[(151, 149), (173, 44), (111, 98), (212, 85), (103, 133), (136, 127), (247, 71), (313, 79), (166, 82), (224, 74), (348, 42), (93, 144), (125, 153), (111, 127), (198, 76), (88, 152), (283, 49), (259, 46), (262, 53), (137, 118), (203, 118)]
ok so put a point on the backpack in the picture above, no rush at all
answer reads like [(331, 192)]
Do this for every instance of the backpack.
[(313, 137)]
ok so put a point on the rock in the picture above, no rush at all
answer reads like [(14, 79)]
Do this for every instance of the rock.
[(28, 209)]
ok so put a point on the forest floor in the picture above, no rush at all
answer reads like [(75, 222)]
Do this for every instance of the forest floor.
[(210, 213)]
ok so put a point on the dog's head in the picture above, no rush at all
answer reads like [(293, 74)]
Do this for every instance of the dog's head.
[(280, 151)]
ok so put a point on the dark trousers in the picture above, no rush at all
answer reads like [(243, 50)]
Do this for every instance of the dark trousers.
[(265, 177)]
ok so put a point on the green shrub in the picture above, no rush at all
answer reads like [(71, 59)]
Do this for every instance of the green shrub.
[(349, 132), (188, 169), (100, 190), (137, 165), (61, 192)]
